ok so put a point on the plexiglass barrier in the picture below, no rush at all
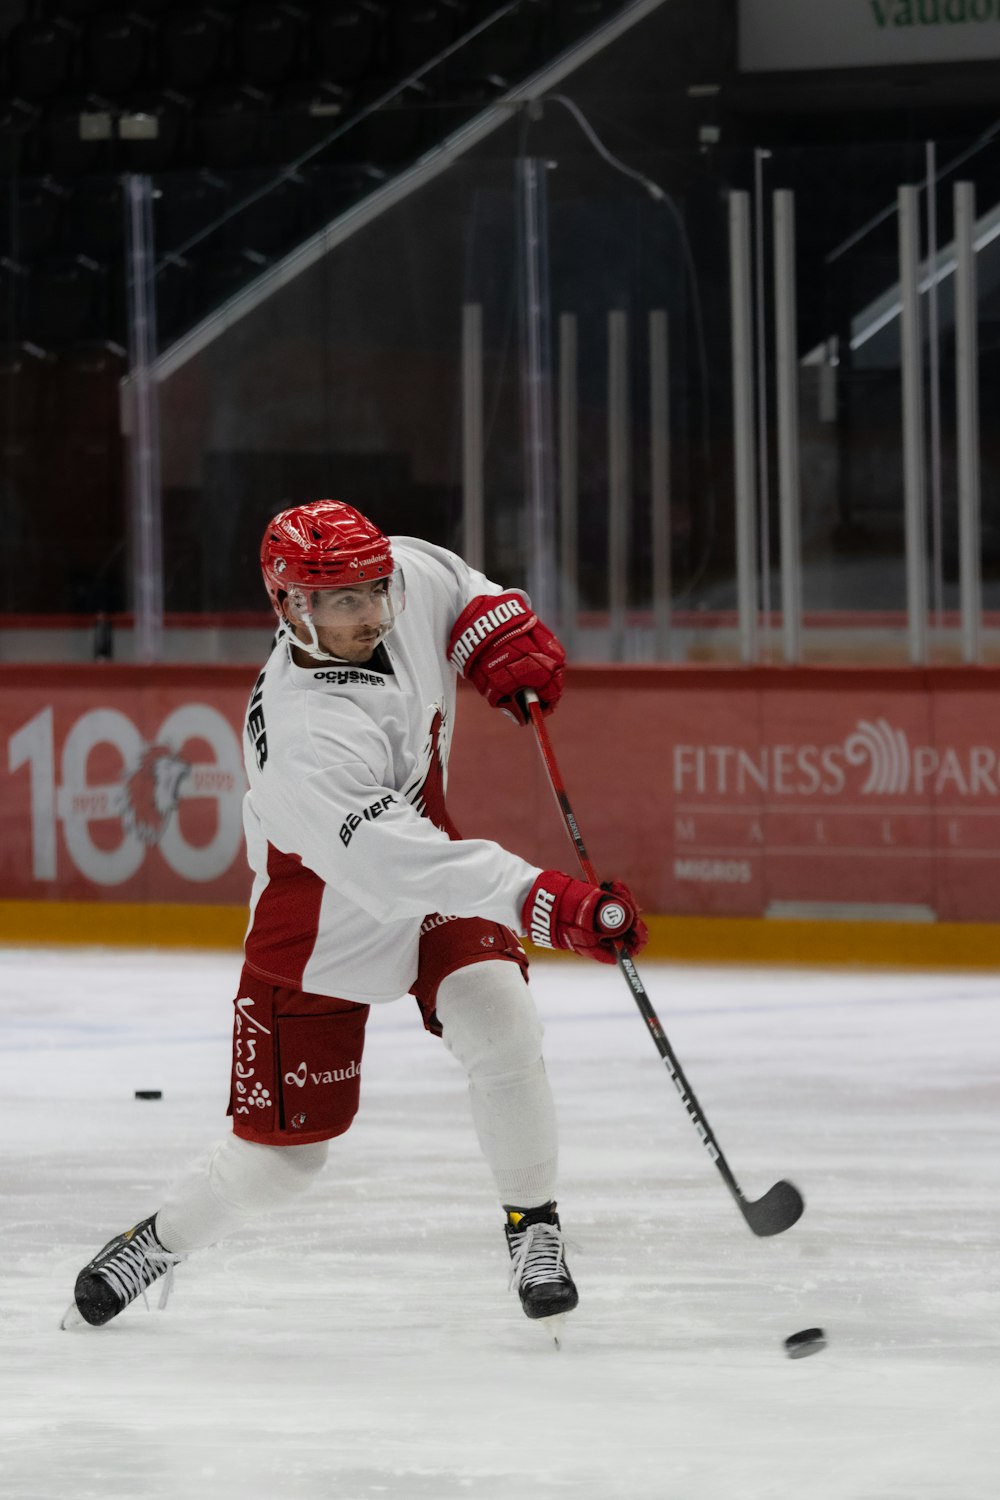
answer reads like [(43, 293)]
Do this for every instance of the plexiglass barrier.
[(691, 404), (883, 434)]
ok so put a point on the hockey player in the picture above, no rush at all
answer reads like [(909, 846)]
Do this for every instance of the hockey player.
[(363, 890)]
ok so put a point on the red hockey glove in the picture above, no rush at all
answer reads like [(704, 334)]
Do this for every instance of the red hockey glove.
[(502, 647), (591, 920)]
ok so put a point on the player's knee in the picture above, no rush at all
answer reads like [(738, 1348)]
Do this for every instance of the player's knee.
[(489, 1020), (248, 1175)]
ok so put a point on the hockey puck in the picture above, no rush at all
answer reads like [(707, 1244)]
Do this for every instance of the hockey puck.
[(149, 1093), (807, 1341)]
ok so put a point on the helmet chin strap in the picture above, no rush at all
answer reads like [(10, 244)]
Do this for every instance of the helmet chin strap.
[(312, 646)]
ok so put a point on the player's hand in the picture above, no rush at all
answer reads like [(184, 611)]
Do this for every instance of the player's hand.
[(502, 647), (592, 920)]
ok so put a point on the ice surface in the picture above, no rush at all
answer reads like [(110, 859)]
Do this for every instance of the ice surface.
[(366, 1346)]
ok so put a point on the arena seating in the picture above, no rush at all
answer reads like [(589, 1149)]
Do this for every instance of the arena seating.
[(204, 96)]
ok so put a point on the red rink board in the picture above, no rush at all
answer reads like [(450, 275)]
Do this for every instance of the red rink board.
[(722, 791), (122, 784), (712, 790)]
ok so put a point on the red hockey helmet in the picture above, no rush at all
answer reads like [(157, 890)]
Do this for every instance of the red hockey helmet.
[(323, 545)]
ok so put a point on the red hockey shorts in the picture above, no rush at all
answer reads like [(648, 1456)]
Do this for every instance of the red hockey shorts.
[(297, 1057)]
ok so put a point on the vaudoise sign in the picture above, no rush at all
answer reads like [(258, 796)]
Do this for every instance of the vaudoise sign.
[(780, 35)]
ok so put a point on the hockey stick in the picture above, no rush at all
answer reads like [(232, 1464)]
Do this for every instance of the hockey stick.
[(782, 1205)]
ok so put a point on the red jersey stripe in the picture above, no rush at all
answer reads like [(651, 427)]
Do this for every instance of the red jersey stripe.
[(285, 920)]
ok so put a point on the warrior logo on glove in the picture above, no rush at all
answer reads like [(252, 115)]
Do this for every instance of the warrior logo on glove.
[(592, 920), (499, 644), (485, 626)]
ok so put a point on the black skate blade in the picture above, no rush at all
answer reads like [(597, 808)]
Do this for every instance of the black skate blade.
[(781, 1207)]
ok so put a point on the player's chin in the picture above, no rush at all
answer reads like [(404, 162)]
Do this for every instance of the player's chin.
[(362, 649)]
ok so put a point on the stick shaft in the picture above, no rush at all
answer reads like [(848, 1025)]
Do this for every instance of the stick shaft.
[(625, 963), (636, 986)]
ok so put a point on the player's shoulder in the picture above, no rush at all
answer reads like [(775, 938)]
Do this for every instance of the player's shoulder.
[(418, 558), (436, 582)]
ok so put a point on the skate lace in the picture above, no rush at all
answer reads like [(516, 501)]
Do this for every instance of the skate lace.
[(137, 1265), (539, 1257)]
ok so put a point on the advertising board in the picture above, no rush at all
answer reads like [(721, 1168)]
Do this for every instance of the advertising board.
[(781, 35), (715, 791)]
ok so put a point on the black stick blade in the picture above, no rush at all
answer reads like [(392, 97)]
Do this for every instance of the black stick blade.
[(781, 1207)]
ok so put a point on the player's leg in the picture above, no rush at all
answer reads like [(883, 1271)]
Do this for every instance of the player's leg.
[(295, 1085), (490, 1024), (235, 1183), (472, 990)]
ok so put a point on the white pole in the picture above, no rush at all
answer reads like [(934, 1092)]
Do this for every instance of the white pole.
[(914, 482), (763, 467), (967, 422), (743, 428), (934, 391), (789, 488), (619, 480), (569, 481), (143, 421), (536, 385), (472, 434), (659, 477)]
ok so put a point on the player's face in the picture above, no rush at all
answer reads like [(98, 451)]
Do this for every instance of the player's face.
[(348, 621)]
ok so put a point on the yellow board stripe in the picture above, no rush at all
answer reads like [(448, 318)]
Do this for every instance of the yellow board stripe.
[(949, 945), (129, 924), (759, 940)]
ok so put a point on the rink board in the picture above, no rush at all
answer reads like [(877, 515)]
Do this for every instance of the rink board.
[(858, 803), (739, 940)]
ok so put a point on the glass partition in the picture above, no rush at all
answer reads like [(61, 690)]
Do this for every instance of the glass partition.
[(850, 386), (283, 123), (553, 346), (62, 357), (641, 317), (347, 381), (850, 395), (349, 378)]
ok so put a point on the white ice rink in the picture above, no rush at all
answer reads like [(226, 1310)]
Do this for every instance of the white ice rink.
[(366, 1347)]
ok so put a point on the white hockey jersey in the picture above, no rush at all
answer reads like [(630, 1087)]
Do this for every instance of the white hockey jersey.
[(347, 772)]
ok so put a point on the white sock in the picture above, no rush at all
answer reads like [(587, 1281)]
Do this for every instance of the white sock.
[(491, 1026), (234, 1183)]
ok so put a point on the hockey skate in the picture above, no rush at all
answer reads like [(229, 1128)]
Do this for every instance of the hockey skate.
[(538, 1265), (119, 1273)]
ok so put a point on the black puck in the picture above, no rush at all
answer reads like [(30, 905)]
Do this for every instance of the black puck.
[(807, 1341), (149, 1093)]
